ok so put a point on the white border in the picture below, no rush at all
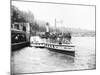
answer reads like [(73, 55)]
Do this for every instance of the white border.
[(5, 36)]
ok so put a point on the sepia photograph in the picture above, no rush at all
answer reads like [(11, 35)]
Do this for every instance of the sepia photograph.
[(52, 37)]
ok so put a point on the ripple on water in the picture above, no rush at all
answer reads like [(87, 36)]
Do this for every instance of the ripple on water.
[(32, 59)]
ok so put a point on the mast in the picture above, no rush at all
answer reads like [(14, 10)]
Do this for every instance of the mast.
[(55, 25)]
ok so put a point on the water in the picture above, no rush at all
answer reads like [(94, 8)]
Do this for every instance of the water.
[(85, 52), (30, 59)]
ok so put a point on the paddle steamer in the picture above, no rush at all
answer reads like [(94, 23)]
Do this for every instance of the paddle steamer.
[(54, 41)]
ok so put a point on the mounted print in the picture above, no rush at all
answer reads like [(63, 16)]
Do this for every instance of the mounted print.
[(52, 37)]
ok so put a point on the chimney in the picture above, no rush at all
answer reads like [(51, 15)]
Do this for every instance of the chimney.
[(47, 27)]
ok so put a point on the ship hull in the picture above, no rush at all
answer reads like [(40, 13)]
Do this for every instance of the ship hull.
[(70, 53), (65, 49)]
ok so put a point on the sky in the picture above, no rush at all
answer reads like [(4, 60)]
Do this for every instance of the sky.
[(72, 16)]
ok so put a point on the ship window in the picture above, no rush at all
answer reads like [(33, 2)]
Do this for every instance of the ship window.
[(53, 46), (16, 26), (24, 28), (48, 45)]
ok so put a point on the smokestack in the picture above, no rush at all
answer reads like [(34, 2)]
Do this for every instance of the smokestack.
[(47, 27)]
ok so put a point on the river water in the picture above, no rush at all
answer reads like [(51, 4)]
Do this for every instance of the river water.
[(32, 60)]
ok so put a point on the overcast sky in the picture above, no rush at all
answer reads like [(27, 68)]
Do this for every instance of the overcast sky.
[(73, 16)]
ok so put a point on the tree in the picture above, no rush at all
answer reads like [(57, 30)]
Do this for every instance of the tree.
[(16, 15), (21, 16)]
